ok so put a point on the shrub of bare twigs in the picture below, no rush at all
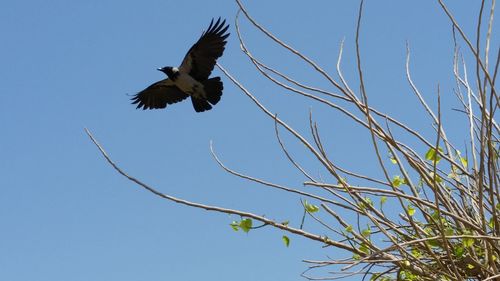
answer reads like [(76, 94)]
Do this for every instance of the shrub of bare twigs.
[(445, 206)]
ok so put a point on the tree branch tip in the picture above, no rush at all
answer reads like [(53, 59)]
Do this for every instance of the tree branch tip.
[(212, 150), (342, 41)]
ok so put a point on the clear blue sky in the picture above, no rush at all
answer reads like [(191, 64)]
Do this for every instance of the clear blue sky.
[(66, 65)]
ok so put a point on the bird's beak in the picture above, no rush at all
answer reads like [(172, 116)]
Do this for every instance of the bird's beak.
[(159, 69)]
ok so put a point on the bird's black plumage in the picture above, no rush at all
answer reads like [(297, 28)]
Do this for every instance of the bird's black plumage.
[(158, 95), (192, 76), (200, 59)]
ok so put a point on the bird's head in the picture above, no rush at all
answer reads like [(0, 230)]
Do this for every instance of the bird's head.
[(171, 72)]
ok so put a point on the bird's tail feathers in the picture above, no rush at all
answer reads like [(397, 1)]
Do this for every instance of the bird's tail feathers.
[(213, 88), (200, 104)]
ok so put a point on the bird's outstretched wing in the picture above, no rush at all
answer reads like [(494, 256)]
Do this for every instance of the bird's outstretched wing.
[(158, 95), (200, 59)]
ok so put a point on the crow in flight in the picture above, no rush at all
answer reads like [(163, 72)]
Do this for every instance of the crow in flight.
[(191, 77)]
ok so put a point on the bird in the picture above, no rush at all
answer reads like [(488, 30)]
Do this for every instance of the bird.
[(191, 78)]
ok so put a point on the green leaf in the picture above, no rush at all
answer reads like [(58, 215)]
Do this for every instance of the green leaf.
[(365, 202), (235, 225), (356, 257), (491, 223), (468, 242), (411, 210), (449, 231), (392, 158), (366, 232), (432, 155), (348, 229), (246, 225), (310, 208), (397, 181), (459, 251), (364, 248), (383, 199), (470, 266), (433, 243), (286, 240), (437, 177), (416, 253), (435, 215), (464, 161), (498, 206), (428, 231), (369, 201)]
